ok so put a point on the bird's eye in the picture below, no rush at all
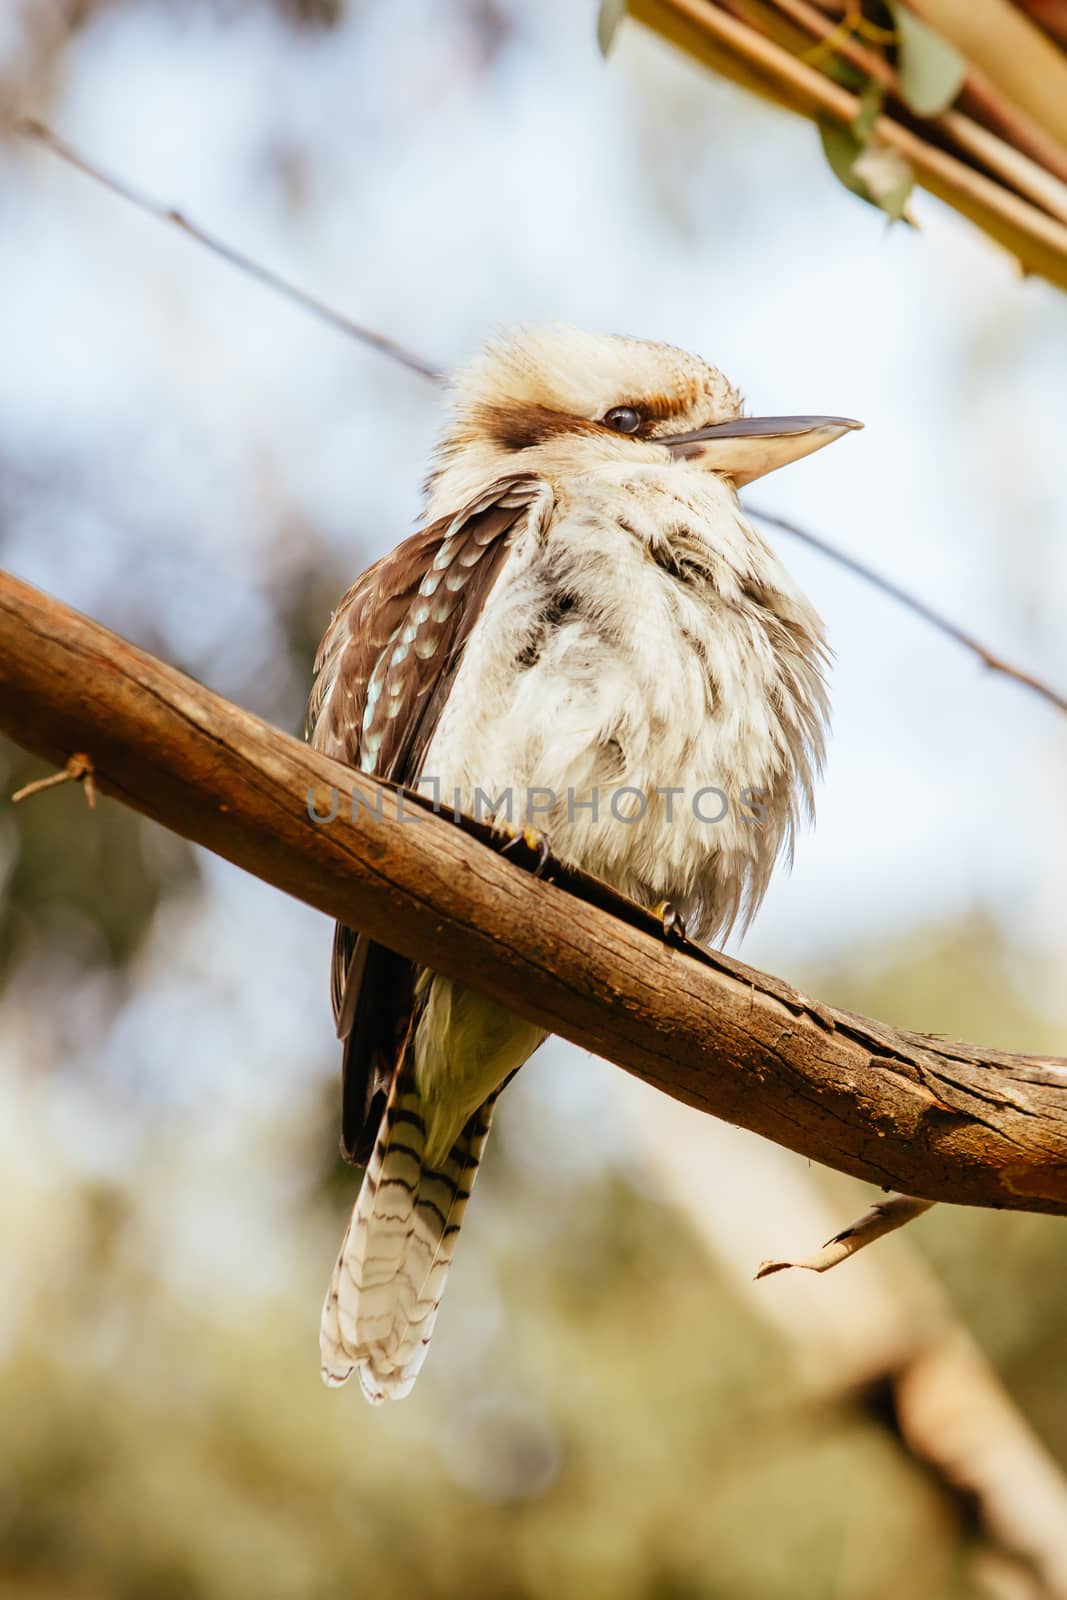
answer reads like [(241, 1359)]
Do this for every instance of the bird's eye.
[(622, 419)]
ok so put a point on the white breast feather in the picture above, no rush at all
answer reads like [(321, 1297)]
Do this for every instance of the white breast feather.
[(704, 676)]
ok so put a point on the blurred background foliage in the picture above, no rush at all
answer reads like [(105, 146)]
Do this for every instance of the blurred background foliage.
[(610, 1409), (968, 102)]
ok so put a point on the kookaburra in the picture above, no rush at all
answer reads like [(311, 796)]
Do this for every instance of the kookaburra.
[(584, 611)]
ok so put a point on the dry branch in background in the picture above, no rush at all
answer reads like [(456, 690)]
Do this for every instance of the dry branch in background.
[(879, 1341), (968, 100), (907, 1111)]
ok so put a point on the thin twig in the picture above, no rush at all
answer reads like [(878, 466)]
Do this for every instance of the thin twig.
[(885, 1216), (30, 128), (387, 347), (986, 656)]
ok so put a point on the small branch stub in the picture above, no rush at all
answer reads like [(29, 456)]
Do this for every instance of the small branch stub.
[(79, 769), (885, 1216)]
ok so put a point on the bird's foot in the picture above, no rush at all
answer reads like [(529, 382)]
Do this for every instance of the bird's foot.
[(532, 839), (671, 920)]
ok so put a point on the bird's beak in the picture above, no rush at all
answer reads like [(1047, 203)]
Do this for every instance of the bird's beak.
[(750, 446)]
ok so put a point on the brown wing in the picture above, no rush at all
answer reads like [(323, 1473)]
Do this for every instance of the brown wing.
[(382, 675)]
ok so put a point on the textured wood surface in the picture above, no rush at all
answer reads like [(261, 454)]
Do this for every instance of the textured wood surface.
[(911, 1112)]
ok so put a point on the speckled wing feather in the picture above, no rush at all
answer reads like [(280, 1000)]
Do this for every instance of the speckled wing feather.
[(382, 675)]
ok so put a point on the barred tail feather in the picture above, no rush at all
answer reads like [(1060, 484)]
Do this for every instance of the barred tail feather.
[(382, 1302)]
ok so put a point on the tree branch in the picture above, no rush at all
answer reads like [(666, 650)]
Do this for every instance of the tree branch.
[(907, 1111)]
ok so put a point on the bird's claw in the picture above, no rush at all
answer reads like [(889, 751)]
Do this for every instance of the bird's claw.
[(671, 920), (533, 839)]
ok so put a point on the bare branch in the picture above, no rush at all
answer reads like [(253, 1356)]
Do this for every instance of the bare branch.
[(38, 131), (906, 1111), (912, 602), (885, 1216), (1012, 51), (30, 128)]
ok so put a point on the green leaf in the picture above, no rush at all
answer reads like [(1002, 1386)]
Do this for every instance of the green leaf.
[(845, 73), (931, 71), (871, 101), (874, 173), (607, 23), (842, 150)]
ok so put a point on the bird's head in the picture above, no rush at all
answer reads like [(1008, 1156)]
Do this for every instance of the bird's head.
[(562, 403)]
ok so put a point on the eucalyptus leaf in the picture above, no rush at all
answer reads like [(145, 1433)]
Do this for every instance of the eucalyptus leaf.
[(842, 150), (931, 71), (872, 99), (871, 171), (845, 73), (607, 23)]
